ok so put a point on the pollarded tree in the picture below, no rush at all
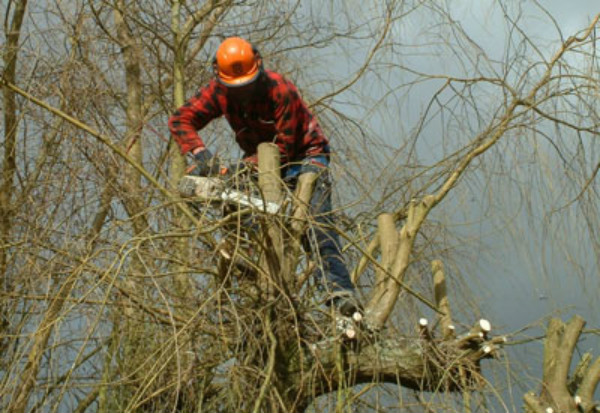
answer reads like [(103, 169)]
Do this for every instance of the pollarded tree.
[(150, 309)]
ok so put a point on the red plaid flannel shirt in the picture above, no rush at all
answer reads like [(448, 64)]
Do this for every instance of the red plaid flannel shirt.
[(276, 113)]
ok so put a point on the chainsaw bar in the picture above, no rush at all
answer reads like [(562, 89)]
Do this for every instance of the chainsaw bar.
[(214, 189)]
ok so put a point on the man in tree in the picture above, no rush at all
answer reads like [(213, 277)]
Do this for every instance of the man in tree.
[(262, 106)]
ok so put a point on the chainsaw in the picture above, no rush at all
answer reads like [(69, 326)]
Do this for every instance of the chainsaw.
[(216, 190)]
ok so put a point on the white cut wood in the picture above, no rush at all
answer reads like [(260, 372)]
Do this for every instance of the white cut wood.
[(209, 188), (485, 325)]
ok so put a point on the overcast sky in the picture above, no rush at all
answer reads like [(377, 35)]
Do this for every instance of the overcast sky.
[(525, 272)]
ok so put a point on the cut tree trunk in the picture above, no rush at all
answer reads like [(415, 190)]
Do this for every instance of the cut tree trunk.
[(560, 392)]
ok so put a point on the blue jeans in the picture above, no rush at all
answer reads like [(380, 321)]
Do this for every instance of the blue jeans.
[(333, 269)]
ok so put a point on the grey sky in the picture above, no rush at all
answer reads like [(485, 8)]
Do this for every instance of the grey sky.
[(524, 261)]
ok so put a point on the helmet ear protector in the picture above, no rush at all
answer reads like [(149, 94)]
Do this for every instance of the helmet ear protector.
[(257, 57)]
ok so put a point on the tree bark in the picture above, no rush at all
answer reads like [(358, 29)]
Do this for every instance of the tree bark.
[(417, 363), (441, 299), (377, 312), (558, 393), (272, 255), (9, 163), (388, 240), (298, 223)]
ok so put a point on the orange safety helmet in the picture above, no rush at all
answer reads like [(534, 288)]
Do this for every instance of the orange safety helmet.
[(237, 62)]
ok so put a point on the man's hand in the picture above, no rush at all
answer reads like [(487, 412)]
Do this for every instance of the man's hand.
[(238, 167), (205, 164)]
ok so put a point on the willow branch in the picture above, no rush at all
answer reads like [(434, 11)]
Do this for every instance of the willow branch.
[(106, 141)]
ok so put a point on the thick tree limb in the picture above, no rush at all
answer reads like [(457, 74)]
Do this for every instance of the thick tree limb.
[(388, 240), (299, 221), (441, 298), (270, 184), (588, 386), (9, 143), (558, 393), (415, 363), (378, 312)]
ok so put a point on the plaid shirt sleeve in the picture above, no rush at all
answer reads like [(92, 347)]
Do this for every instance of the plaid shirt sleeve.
[(286, 119), (200, 109), (297, 129)]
